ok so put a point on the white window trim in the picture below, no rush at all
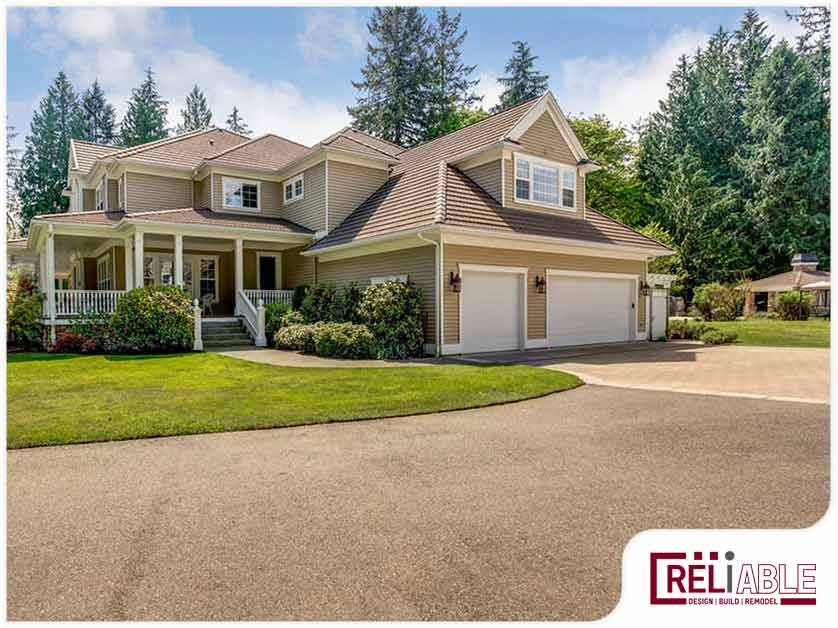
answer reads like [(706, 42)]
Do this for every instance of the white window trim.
[(104, 261), (549, 164), (293, 183), (119, 197), (387, 278), (100, 197), (258, 184)]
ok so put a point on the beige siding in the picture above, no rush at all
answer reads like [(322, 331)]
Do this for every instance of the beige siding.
[(417, 263), (488, 177), (310, 211), (538, 263), (296, 269), (270, 195), (201, 192), (349, 186), (113, 194), (544, 140), (148, 192), (88, 200)]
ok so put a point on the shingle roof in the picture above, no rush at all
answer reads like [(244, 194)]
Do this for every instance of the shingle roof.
[(268, 151), (183, 151), (86, 154), (790, 280), (186, 215), (355, 139)]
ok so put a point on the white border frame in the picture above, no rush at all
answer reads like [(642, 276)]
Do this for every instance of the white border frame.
[(549, 164), (249, 210), (633, 334), (487, 268), (293, 183)]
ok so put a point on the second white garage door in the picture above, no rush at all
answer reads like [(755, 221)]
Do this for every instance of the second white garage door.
[(586, 310), (492, 315)]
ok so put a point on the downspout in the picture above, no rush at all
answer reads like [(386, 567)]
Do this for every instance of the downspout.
[(438, 288), (649, 305)]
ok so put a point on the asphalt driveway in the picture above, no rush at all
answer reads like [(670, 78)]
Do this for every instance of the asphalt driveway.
[(513, 512), (775, 373)]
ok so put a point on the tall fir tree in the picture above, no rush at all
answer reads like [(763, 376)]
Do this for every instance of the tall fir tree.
[(752, 45), (522, 81), (816, 41), (393, 94), (196, 114), (96, 119), (145, 118), (787, 160), (13, 226), (46, 150), (451, 85), (236, 123)]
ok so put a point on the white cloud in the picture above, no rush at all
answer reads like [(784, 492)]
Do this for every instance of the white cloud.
[(331, 35), (489, 88), (624, 89), (115, 45), (780, 26)]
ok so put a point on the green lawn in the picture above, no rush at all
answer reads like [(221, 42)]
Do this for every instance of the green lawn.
[(58, 399), (776, 333)]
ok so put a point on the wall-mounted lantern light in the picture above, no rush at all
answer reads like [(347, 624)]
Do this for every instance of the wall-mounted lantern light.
[(455, 281), (644, 289), (540, 284)]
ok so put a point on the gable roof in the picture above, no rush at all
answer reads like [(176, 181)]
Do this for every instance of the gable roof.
[(790, 280), (84, 154), (267, 152), (183, 151)]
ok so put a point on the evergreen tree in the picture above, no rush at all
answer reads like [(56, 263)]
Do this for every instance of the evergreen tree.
[(451, 85), (12, 181), (236, 124), (145, 119), (787, 160), (456, 120), (392, 103), (752, 45), (522, 82), (46, 151), (196, 114), (96, 119), (815, 43)]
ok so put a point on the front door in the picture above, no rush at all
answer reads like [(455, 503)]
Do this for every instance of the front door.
[(267, 272)]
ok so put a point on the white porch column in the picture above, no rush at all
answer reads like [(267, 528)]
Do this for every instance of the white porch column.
[(178, 260), (50, 279), (129, 265), (138, 259), (239, 263)]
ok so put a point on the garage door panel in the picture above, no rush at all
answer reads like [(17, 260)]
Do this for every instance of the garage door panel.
[(492, 311), (589, 310)]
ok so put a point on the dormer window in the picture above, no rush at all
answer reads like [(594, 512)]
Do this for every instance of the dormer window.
[(544, 182), (294, 189), (241, 194), (100, 196)]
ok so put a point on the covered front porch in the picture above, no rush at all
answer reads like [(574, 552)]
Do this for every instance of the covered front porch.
[(87, 269)]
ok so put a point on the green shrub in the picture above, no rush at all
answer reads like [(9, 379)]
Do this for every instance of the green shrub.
[(718, 302), (296, 338), (24, 308), (793, 306), (343, 340), (319, 303), (392, 311), (274, 316), (154, 318), (293, 317), (685, 329), (297, 297), (98, 332), (345, 305), (717, 337)]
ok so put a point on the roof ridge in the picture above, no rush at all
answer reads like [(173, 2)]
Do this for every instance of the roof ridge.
[(441, 192), (164, 141), (380, 139), (75, 139), (232, 148), (377, 150), (331, 138)]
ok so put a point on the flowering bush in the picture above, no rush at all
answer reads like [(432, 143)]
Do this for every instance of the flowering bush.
[(296, 338), (24, 306), (154, 318), (293, 317), (274, 316), (343, 340), (392, 311)]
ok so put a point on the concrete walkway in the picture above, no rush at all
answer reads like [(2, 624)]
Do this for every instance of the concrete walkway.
[(774, 373), (291, 358)]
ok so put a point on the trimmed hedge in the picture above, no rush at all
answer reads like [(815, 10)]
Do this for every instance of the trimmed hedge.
[(717, 337), (154, 319), (343, 340)]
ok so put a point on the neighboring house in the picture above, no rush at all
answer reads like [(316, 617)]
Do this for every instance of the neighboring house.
[(489, 221), (804, 275)]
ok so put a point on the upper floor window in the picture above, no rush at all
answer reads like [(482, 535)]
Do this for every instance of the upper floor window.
[(544, 182), (241, 194), (294, 189), (100, 196)]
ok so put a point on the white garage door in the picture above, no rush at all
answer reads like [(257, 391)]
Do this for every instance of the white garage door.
[(587, 310), (492, 311)]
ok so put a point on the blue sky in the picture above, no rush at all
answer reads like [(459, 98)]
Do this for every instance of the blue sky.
[(289, 69)]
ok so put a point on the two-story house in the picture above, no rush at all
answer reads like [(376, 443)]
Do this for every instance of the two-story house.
[(490, 222)]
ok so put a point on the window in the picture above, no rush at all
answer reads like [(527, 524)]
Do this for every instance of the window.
[(294, 189), (386, 278), (239, 194), (103, 272), (148, 271), (100, 196), (119, 194), (544, 182), (207, 280)]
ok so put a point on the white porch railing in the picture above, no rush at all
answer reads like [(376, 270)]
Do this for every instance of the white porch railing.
[(75, 302), (270, 296), (253, 317)]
